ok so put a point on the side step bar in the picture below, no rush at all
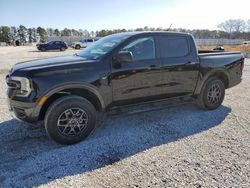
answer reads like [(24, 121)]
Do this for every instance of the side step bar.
[(149, 106)]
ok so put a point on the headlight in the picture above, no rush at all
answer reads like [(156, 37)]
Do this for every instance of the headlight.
[(25, 87)]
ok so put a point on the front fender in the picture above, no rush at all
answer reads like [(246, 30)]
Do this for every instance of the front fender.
[(69, 85), (79, 85)]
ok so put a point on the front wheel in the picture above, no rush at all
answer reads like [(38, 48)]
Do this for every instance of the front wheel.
[(77, 47), (43, 49), (70, 119), (212, 94), (62, 49)]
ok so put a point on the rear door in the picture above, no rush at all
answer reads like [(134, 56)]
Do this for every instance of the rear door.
[(180, 64), (50, 45), (140, 78), (57, 45)]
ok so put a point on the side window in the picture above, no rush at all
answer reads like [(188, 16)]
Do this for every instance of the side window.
[(90, 40), (173, 46), (141, 49)]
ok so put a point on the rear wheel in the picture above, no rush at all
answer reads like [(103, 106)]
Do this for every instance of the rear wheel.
[(212, 94), (70, 119), (77, 47)]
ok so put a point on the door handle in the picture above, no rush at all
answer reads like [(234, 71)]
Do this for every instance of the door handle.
[(191, 63), (104, 79), (104, 76), (152, 67)]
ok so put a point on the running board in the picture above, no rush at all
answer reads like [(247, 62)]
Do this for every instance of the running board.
[(149, 106)]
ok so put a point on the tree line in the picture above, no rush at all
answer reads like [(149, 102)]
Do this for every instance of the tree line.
[(230, 29)]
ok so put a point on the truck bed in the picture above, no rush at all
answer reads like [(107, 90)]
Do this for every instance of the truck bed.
[(216, 52), (219, 57), (232, 62)]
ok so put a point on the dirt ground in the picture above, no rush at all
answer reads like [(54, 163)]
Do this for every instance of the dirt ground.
[(180, 146), (11, 55)]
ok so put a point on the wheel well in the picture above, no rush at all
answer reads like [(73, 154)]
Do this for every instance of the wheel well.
[(75, 91), (223, 77)]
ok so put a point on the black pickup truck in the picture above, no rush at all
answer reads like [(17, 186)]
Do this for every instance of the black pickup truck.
[(117, 70)]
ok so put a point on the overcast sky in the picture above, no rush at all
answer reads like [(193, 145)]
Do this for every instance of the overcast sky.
[(118, 14)]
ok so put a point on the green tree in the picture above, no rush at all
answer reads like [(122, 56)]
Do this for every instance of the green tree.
[(80, 31), (30, 35), (50, 32), (22, 33), (92, 33), (85, 33), (42, 33), (34, 34), (13, 33), (57, 32), (66, 32), (75, 32), (4, 34), (102, 33)]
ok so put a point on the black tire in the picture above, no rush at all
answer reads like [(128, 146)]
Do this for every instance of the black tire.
[(60, 108), (62, 49), (77, 47), (212, 94), (43, 49)]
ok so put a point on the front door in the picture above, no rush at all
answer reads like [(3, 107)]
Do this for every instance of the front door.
[(140, 78)]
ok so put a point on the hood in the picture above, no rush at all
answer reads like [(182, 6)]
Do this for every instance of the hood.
[(48, 62)]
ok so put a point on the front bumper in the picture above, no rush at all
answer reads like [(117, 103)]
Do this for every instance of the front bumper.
[(23, 111)]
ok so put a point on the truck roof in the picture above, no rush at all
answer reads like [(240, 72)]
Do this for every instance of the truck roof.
[(151, 32)]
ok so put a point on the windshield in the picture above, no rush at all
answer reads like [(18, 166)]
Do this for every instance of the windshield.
[(102, 46)]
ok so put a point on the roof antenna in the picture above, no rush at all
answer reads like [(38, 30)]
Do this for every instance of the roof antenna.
[(169, 27)]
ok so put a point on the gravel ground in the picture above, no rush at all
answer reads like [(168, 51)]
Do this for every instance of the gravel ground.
[(180, 146), (11, 55)]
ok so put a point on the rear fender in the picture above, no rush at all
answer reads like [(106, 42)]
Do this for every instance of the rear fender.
[(203, 77)]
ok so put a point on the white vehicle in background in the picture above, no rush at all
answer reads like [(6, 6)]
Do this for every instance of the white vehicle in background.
[(83, 43), (247, 43)]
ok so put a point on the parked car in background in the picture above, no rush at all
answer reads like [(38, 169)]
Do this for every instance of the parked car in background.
[(246, 43), (52, 45), (219, 48), (83, 43)]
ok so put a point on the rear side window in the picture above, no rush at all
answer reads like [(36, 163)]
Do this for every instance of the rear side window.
[(173, 46)]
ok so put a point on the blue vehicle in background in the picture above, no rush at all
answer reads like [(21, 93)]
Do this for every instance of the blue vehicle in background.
[(52, 45)]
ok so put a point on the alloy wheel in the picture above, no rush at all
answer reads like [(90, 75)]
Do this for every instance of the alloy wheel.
[(72, 122)]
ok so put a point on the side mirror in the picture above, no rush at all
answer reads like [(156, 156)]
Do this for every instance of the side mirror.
[(124, 56)]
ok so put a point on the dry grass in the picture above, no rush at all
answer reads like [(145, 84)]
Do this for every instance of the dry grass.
[(242, 48)]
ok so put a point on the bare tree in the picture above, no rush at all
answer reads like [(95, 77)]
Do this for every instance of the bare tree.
[(248, 25), (233, 25)]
